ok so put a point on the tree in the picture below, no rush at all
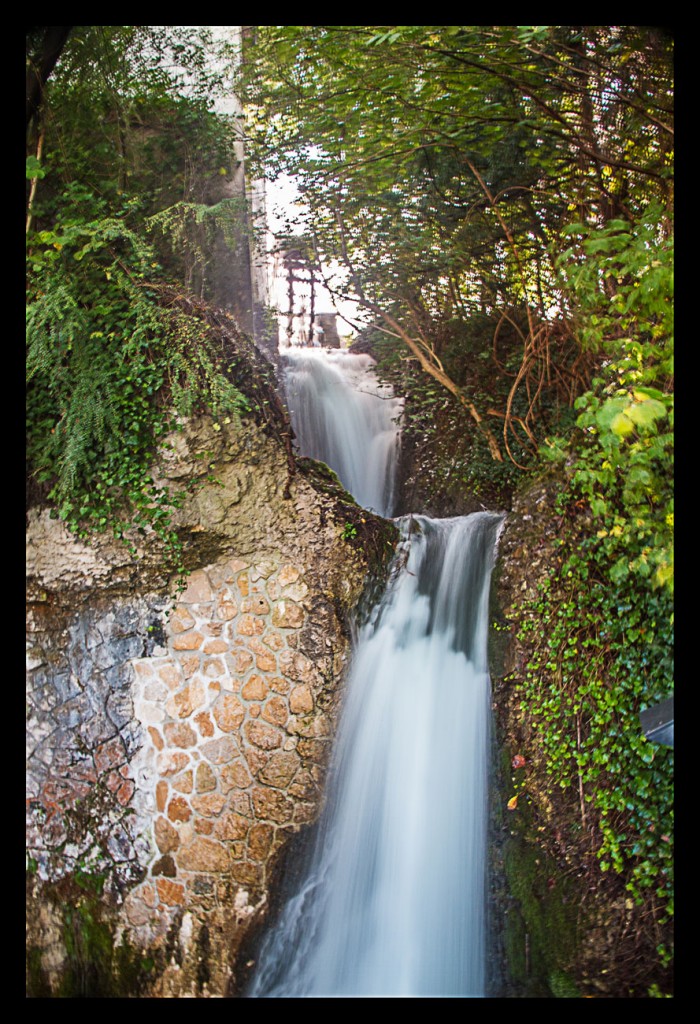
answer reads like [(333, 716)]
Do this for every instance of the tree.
[(41, 63), (129, 159), (440, 163)]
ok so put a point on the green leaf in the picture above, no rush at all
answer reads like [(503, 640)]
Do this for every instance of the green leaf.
[(644, 414), (575, 229), (641, 393), (640, 476), (621, 425), (612, 408), (34, 168)]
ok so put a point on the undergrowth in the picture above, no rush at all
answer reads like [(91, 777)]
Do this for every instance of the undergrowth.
[(111, 368)]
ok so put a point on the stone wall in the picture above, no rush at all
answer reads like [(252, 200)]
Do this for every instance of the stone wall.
[(176, 740)]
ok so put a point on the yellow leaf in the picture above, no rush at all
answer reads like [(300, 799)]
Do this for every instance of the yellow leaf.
[(621, 425), (663, 575), (513, 803)]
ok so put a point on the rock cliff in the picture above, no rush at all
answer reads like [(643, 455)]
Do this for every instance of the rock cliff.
[(177, 738)]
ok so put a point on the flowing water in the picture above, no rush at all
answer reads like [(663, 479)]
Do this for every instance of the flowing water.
[(345, 418), (393, 900)]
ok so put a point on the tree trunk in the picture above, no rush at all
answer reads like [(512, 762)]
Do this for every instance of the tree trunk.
[(40, 66)]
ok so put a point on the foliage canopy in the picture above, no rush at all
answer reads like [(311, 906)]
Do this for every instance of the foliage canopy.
[(439, 165), (124, 169)]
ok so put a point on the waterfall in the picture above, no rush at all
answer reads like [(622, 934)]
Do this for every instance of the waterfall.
[(342, 416), (393, 899)]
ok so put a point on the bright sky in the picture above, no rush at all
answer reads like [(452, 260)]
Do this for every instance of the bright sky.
[(285, 211)]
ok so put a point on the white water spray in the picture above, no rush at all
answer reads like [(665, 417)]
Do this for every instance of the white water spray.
[(393, 901)]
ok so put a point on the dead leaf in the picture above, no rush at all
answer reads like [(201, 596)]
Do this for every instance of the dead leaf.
[(513, 803)]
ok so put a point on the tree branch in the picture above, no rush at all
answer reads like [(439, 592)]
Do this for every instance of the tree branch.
[(420, 349)]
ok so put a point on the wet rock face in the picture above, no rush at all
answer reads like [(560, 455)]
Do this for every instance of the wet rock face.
[(175, 741), (82, 735), (527, 553)]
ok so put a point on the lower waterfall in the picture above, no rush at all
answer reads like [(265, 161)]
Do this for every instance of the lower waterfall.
[(393, 899)]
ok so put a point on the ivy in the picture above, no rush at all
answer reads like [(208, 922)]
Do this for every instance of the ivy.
[(601, 629), (109, 371)]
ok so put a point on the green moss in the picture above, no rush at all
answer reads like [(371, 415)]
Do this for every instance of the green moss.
[(90, 882), (541, 930), (93, 966), (323, 478), (37, 983), (541, 922), (562, 986)]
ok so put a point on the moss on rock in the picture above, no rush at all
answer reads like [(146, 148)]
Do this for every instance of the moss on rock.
[(79, 956)]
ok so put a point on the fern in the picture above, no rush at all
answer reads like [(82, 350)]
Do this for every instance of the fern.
[(108, 367)]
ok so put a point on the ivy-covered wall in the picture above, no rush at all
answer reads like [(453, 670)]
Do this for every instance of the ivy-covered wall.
[(569, 924)]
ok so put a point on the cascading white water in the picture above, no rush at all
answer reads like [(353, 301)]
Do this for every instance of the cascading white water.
[(345, 418), (393, 901)]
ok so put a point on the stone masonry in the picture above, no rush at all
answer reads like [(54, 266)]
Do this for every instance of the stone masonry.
[(234, 748), (175, 741)]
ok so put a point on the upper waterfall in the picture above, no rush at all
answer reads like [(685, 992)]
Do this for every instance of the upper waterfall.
[(344, 417)]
